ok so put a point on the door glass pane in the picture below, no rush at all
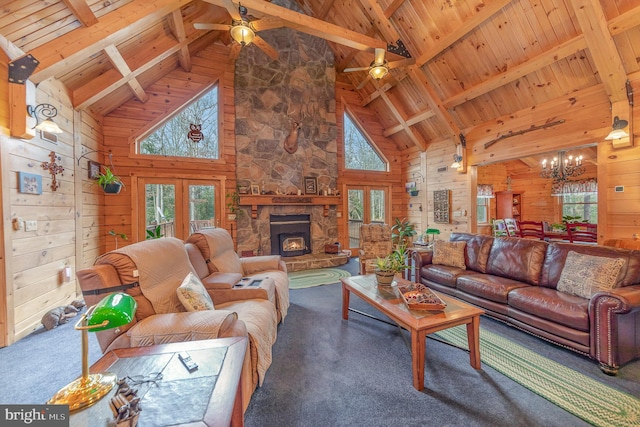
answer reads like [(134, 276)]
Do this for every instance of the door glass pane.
[(356, 216), (202, 207), (160, 204), (377, 206)]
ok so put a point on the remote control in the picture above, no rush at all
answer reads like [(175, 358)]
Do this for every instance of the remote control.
[(185, 358)]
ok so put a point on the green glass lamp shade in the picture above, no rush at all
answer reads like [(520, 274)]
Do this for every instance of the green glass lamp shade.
[(114, 310)]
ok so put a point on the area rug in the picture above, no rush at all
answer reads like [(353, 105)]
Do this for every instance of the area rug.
[(584, 397), (315, 277)]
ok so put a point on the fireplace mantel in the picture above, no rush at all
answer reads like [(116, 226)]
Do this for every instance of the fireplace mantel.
[(283, 200)]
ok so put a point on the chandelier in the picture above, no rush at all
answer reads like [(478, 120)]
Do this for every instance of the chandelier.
[(562, 168)]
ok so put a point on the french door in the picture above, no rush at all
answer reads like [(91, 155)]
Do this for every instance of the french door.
[(177, 207), (366, 205)]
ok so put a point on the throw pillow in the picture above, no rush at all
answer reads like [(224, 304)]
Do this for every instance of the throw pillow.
[(449, 253), (584, 275), (193, 295)]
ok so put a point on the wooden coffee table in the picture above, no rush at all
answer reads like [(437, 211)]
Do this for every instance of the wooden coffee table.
[(209, 396), (419, 323)]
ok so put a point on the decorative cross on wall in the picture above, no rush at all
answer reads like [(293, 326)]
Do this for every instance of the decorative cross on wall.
[(54, 169)]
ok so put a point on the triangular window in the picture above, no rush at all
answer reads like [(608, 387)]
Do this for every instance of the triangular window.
[(359, 153), (192, 132)]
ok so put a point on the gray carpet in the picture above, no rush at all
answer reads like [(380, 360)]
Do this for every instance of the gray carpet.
[(328, 372)]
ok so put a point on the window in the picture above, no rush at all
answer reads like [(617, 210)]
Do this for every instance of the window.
[(482, 210), (193, 132), (582, 206), (358, 152)]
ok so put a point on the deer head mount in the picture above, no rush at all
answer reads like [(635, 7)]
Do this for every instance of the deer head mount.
[(291, 141)]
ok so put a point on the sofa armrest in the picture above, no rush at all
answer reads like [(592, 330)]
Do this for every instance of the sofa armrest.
[(421, 258), (614, 316), (180, 327), (257, 264), (221, 280)]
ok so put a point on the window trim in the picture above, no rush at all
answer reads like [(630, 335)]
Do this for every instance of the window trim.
[(347, 110)]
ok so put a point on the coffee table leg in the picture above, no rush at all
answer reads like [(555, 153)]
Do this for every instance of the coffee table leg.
[(345, 302), (473, 339), (418, 342)]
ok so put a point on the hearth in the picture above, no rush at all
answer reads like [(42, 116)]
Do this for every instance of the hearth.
[(290, 234)]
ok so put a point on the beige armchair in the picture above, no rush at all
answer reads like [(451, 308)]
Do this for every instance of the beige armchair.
[(375, 242)]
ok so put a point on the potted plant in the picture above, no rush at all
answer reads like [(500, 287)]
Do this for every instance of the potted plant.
[(109, 182), (234, 205), (154, 233), (389, 266), (116, 235), (402, 231)]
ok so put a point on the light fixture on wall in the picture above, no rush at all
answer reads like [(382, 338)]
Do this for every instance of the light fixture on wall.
[(242, 32), (47, 112), (618, 131), (562, 167), (114, 310), (378, 71)]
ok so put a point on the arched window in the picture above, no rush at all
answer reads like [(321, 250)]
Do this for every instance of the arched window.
[(359, 153), (192, 132)]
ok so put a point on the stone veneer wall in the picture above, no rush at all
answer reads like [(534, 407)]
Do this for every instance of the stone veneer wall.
[(270, 95)]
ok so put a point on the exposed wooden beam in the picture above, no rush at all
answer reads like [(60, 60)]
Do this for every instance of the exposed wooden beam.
[(602, 47), (123, 68), (177, 28), (347, 59), (392, 8), (416, 118), (546, 58), (487, 12), (308, 25), (397, 78), (326, 7), (531, 162), (414, 137), (82, 11), (67, 51)]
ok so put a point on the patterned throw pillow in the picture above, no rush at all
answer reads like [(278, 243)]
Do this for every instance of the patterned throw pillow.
[(584, 275), (449, 253), (193, 295)]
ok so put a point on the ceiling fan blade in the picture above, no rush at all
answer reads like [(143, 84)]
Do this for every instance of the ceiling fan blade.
[(402, 63), (269, 23), (379, 56), (232, 9), (235, 51), (364, 82), (266, 47), (348, 70), (218, 27)]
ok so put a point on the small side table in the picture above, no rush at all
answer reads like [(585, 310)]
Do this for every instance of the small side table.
[(209, 396)]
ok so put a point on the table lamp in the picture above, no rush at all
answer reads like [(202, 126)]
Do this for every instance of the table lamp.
[(112, 311)]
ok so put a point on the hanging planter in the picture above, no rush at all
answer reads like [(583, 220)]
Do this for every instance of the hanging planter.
[(413, 192), (112, 188), (110, 183)]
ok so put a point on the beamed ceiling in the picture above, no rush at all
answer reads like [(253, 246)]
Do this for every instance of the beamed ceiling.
[(474, 61)]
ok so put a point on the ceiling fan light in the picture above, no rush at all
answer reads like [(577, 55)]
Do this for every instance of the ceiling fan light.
[(242, 33), (378, 72)]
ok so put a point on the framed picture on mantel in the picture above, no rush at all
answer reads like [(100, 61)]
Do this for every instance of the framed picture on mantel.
[(310, 185)]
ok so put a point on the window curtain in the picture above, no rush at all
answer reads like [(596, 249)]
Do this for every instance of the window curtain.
[(485, 191), (575, 187)]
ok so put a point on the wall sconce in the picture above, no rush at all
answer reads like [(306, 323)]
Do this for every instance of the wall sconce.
[(618, 131), (242, 32), (457, 158), (46, 111)]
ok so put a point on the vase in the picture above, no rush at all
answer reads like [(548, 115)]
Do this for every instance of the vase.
[(384, 278)]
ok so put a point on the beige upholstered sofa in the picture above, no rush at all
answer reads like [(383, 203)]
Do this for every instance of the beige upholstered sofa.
[(151, 271)]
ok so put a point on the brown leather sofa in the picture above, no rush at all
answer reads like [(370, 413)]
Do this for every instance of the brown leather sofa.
[(515, 280)]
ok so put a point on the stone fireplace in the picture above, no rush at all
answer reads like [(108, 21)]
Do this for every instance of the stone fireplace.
[(272, 97)]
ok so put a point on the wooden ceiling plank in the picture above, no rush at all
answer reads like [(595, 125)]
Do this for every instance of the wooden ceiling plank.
[(74, 47), (82, 11), (546, 58), (309, 25), (487, 12), (176, 24), (602, 47), (324, 11)]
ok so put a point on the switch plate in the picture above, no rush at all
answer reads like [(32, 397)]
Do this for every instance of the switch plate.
[(31, 225)]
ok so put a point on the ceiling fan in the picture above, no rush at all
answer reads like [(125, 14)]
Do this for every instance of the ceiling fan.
[(380, 67), (243, 30)]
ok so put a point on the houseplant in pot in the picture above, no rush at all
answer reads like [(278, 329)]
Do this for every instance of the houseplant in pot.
[(389, 266), (109, 182)]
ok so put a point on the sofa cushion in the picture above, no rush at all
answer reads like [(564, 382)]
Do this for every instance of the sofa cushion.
[(441, 274), (559, 307), (584, 275), (216, 247), (486, 286), (449, 253), (193, 295), (517, 258), (477, 250)]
